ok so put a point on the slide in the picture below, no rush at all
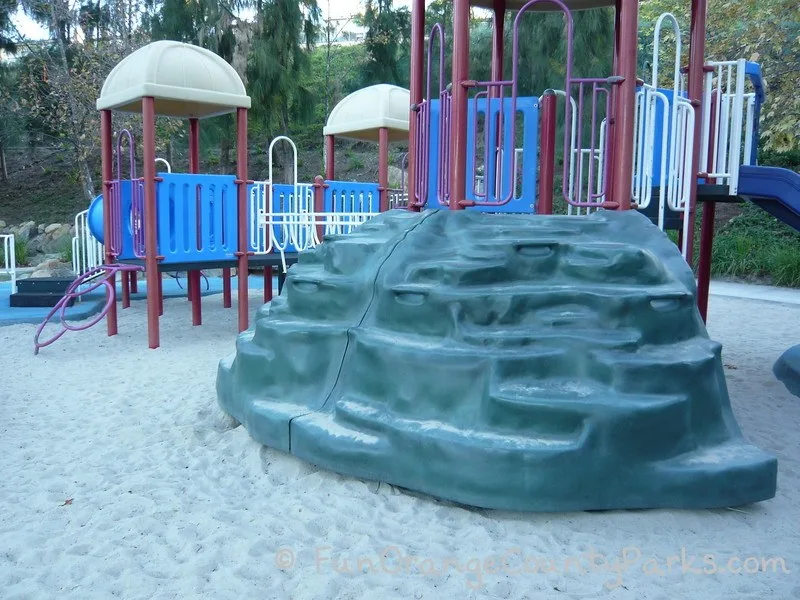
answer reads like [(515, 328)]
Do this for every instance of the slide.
[(94, 218), (775, 190)]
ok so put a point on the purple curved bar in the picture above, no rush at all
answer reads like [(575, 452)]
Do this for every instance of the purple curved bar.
[(110, 272)]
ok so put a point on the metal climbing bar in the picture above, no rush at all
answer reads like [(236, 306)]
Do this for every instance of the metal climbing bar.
[(102, 276)]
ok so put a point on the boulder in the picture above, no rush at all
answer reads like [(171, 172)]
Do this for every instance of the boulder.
[(23, 231), (52, 267), (50, 228)]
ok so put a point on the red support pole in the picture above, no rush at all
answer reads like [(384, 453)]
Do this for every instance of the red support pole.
[(126, 289), (134, 283), (547, 153), (226, 288), (625, 103), (383, 168), (330, 157), (697, 50), (154, 298), (458, 140), (704, 266), (417, 67), (106, 154), (194, 276), (267, 284), (241, 165), (497, 39)]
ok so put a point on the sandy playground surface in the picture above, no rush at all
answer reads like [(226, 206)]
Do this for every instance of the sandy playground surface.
[(121, 478)]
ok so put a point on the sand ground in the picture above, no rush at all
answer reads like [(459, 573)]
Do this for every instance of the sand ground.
[(121, 478)]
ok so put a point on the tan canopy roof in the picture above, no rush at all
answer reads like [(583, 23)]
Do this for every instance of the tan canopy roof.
[(363, 113), (185, 80)]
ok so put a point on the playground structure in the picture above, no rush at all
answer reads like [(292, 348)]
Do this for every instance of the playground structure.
[(507, 165), (579, 374)]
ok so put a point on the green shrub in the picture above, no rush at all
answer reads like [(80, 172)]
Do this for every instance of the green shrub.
[(20, 253)]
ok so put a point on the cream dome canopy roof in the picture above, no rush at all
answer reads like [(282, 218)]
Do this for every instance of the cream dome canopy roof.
[(362, 114), (185, 80)]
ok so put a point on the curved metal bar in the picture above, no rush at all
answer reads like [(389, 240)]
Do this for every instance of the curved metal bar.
[(73, 292)]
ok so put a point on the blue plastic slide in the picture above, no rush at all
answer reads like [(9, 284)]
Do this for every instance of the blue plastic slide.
[(775, 190), (94, 219)]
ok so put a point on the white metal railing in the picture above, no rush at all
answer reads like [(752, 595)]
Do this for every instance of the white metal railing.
[(87, 252), (284, 218), (676, 143), (728, 114), (9, 259)]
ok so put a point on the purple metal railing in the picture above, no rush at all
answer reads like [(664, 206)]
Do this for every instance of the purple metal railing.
[(423, 117), (137, 200), (495, 91)]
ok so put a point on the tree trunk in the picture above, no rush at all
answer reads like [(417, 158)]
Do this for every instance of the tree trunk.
[(83, 165), (3, 166), (225, 149)]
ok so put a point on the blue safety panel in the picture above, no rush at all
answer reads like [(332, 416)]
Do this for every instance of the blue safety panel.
[(527, 138), (352, 197), (196, 217)]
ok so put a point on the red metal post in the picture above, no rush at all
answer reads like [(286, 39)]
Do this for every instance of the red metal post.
[(226, 287), (625, 103), (194, 276), (697, 51), (134, 283), (241, 165), (458, 140), (383, 168), (417, 67), (497, 40), (126, 289), (547, 153), (704, 265), (106, 153), (268, 284), (330, 157), (706, 229), (151, 221)]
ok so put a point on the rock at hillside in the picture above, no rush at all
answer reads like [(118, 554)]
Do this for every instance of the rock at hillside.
[(50, 228), (53, 267), (41, 228), (513, 362), (2, 224), (23, 231)]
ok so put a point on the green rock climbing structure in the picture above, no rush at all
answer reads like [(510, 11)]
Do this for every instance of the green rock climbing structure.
[(515, 362)]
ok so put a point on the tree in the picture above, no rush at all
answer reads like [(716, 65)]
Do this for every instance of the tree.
[(7, 7), (387, 42), (285, 33), (763, 32)]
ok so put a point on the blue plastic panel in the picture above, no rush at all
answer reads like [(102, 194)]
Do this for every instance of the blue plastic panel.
[(196, 217), (527, 139), (349, 196)]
